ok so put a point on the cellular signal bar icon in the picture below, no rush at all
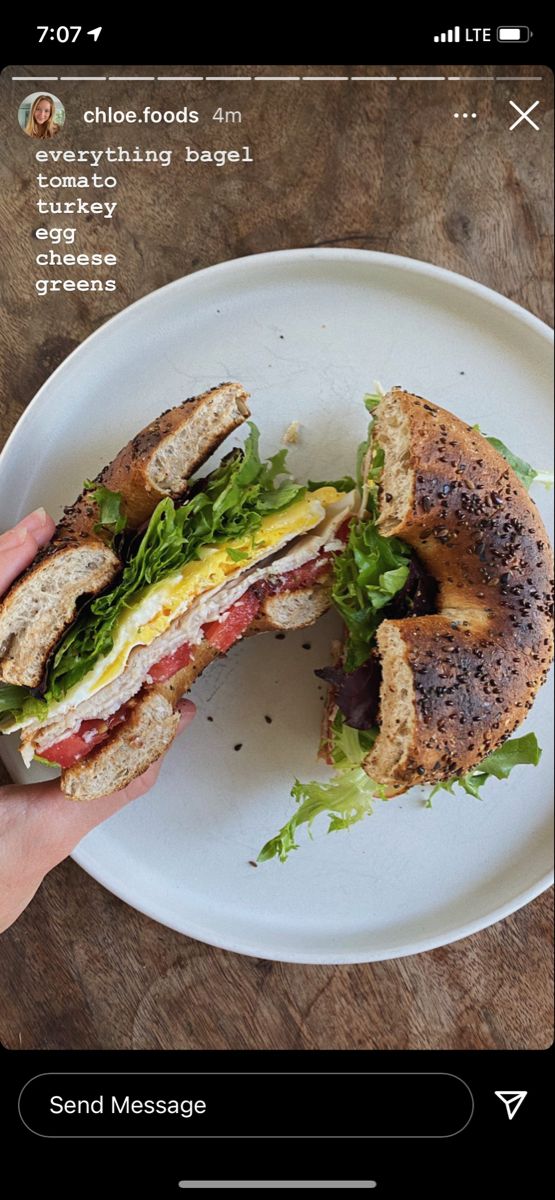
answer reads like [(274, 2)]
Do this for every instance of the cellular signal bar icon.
[(452, 35)]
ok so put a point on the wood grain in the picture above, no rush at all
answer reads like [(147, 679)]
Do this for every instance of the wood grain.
[(84, 970), (375, 166)]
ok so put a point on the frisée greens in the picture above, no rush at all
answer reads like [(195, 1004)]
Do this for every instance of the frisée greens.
[(513, 753), (346, 798)]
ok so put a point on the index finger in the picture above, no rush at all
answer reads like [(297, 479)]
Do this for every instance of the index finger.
[(39, 523), (14, 559), (19, 545)]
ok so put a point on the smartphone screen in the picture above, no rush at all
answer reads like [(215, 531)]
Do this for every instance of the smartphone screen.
[(275, 630)]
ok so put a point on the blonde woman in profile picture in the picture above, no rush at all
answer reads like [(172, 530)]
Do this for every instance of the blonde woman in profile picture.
[(41, 123)]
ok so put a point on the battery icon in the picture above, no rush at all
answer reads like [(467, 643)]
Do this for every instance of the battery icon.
[(513, 33)]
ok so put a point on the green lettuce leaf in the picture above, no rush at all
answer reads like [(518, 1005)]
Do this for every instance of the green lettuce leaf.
[(110, 516), (527, 474), (350, 746), (372, 569), (13, 697), (346, 798), (366, 577), (513, 753)]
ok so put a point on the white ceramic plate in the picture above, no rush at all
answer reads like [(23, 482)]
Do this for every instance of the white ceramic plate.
[(307, 332)]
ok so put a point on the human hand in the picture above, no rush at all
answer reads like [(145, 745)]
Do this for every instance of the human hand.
[(39, 826)]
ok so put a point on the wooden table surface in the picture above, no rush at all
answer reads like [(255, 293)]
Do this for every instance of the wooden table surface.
[(379, 166)]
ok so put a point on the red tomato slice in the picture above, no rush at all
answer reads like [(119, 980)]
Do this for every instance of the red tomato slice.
[(171, 663), (299, 577), (232, 624), (90, 734), (344, 529)]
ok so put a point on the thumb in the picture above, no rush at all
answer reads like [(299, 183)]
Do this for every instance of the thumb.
[(187, 711), (91, 813), (67, 821)]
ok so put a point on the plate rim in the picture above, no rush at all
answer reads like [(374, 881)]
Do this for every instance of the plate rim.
[(238, 946), (254, 262), (379, 257)]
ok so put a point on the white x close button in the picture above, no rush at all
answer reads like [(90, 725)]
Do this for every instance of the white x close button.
[(524, 115)]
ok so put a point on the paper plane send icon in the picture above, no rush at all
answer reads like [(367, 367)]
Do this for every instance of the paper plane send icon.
[(512, 1101)]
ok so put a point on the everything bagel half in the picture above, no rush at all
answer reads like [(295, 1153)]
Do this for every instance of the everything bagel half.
[(456, 683), (445, 588)]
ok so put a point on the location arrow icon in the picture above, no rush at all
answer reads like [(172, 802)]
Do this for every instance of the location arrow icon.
[(95, 33), (512, 1101)]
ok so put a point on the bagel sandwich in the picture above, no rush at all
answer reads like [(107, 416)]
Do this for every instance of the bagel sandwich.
[(445, 588), (151, 575)]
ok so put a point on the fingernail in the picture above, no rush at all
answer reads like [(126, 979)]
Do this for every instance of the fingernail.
[(36, 518), (186, 716)]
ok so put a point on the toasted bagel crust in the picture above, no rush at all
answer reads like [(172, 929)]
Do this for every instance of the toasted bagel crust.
[(293, 610), (159, 460), (42, 603), (147, 732), (457, 683)]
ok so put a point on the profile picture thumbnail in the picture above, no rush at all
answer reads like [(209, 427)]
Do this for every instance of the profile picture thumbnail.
[(41, 115)]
